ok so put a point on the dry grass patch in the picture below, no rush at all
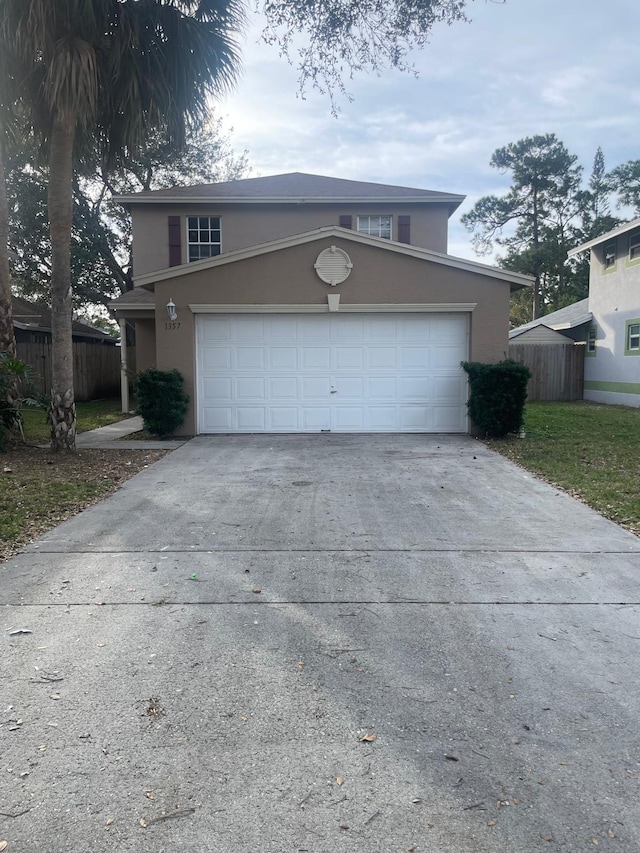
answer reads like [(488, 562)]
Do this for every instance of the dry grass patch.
[(39, 489), (590, 450)]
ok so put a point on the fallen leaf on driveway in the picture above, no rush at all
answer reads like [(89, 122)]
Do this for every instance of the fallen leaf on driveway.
[(17, 631), (256, 591), (339, 781), (368, 738), (492, 823), (3, 845), (546, 837), (611, 833)]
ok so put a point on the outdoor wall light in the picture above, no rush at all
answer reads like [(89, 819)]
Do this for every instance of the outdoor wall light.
[(171, 310)]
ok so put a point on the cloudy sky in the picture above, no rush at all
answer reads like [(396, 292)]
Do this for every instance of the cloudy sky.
[(569, 67)]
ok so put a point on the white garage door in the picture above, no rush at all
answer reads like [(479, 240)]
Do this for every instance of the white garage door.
[(331, 372)]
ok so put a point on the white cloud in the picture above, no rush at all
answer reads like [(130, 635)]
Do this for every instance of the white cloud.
[(522, 68)]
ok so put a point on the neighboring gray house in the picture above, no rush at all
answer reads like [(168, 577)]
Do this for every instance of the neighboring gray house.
[(612, 365), (570, 323), (608, 321)]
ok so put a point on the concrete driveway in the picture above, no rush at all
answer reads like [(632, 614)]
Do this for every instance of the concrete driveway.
[(326, 644)]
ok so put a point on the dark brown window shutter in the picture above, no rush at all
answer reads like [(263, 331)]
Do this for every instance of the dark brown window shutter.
[(175, 241), (404, 229), (346, 221)]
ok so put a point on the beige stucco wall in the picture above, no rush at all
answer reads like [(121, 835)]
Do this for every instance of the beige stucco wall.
[(249, 225), (145, 344), (288, 277)]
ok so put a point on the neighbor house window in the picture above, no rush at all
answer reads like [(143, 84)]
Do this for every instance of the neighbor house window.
[(634, 246), (610, 255), (592, 335), (203, 237), (375, 226), (632, 338)]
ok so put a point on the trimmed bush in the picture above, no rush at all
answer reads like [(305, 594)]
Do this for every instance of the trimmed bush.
[(161, 400), (497, 396)]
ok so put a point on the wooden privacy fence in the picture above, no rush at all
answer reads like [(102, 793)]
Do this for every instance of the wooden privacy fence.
[(96, 368), (557, 370)]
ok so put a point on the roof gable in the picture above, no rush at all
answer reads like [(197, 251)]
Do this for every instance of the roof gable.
[(516, 280)]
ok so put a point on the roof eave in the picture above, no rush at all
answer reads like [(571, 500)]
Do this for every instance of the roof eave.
[(610, 235)]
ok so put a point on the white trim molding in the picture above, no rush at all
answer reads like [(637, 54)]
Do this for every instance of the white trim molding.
[(319, 308)]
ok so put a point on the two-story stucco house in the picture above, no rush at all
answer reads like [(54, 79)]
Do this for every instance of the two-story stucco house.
[(612, 353), (301, 303)]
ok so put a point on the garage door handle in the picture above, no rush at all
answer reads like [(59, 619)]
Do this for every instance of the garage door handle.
[(334, 390)]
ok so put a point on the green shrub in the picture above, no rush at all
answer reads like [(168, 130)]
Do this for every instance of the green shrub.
[(161, 400), (15, 379), (497, 396)]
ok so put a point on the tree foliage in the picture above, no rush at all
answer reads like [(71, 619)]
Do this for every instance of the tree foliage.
[(102, 76), (545, 213), (334, 39), (101, 244)]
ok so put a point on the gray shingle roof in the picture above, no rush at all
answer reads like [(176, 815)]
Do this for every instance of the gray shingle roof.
[(294, 186), (565, 318)]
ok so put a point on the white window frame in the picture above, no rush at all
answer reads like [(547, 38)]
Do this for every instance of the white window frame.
[(634, 246), (592, 337), (632, 343), (368, 225), (609, 255), (199, 242)]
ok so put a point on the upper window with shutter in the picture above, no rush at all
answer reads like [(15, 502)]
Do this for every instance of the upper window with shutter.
[(204, 237), (375, 226)]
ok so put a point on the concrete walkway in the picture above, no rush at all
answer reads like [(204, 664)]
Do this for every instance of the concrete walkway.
[(110, 438), (327, 644)]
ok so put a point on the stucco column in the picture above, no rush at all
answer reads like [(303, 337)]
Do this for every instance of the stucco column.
[(124, 374)]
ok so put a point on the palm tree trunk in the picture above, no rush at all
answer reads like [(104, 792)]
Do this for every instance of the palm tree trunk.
[(60, 203)]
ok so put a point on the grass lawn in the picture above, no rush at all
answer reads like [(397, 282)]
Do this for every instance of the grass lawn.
[(39, 489), (590, 450), (92, 415)]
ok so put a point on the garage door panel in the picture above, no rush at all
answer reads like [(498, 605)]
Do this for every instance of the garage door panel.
[(415, 357), (217, 419), (341, 372), (283, 358), (348, 418), (250, 418), (283, 388), (314, 329), (250, 358), (349, 358), (349, 388), (315, 388), (215, 358), (415, 418), (349, 329), (283, 418), (447, 357), (448, 388), (415, 388), (381, 358), (382, 388), (380, 327), (220, 389), (250, 329), (316, 418), (382, 418), (316, 358), (250, 388), (448, 419)]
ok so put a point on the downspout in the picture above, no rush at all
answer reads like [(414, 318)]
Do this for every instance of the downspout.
[(124, 372)]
